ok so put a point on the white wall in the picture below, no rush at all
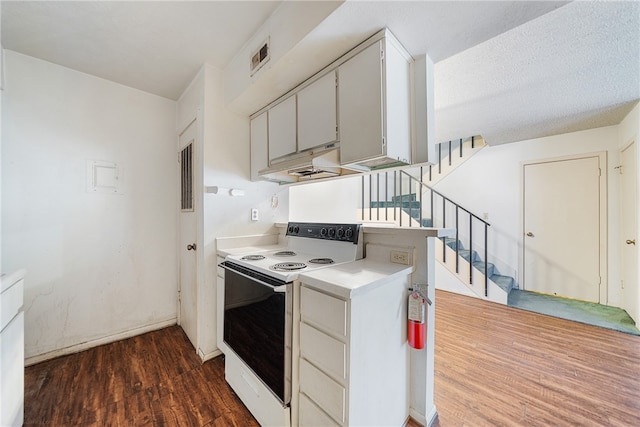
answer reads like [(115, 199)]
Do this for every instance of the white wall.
[(490, 182), (286, 30), (325, 201), (629, 130), (225, 140), (100, 266)]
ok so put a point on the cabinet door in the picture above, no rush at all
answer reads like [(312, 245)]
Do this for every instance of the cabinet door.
[(360, 103), (317, 119), (259, 145), (282, 128)]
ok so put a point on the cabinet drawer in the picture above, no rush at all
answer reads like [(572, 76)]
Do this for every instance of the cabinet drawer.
[(325, 392), (323, 351), (325, 311), (312, 416)]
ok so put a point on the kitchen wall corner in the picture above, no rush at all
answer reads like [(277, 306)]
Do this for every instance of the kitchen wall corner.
[(101, 266)]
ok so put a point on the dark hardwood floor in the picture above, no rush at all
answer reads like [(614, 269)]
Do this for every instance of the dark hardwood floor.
[(154, 379), (495, 366)]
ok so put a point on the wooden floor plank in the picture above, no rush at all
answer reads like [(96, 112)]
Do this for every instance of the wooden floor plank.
[(494, 366)]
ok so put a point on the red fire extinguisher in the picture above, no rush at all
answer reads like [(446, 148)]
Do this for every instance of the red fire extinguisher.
[(416, 317)]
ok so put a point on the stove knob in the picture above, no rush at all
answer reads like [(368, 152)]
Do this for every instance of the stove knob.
[(349, 233), (290, 229), (332, 232), (296, 229), (340, 232), (323, 232)]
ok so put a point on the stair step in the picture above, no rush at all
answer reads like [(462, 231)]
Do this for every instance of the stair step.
[(505, 282), (464, 253), (451, 242), (479, 265), (404, 205), (405, 198)]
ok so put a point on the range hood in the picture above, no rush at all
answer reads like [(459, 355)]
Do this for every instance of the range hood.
[(306, 166)]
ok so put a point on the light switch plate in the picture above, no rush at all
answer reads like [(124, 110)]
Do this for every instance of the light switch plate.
[(255, 216)]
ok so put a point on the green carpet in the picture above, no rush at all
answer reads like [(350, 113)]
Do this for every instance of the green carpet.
[(579, 311)]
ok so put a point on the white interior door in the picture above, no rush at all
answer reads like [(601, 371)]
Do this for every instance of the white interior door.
[(188, 234), (562, 221), (628, 231)]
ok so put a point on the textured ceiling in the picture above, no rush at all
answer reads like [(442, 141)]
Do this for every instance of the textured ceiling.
[(509, 70), (154, 46), (575, 68)]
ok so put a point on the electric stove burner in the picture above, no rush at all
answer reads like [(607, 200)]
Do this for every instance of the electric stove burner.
[(321, 261), (285, 253), (288, 266), (252, 257)]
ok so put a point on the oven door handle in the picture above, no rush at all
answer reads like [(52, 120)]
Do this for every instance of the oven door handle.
[(280, 288)]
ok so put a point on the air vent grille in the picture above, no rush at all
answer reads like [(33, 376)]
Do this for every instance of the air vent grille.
[(260, 56)]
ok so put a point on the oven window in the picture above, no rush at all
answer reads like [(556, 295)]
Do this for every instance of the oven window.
[(254, 328)]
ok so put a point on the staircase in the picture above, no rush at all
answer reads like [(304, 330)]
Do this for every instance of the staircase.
[(407, 198)]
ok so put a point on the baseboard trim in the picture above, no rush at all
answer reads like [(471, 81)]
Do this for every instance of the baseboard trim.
[(432, 417), (76, 348), (428, 421), (208, 356)]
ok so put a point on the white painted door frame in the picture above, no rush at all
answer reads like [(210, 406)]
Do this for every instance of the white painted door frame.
[(628, 230), (197, 207), (602, 156)]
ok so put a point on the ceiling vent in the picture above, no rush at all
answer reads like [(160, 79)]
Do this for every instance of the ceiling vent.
[(260, 57)]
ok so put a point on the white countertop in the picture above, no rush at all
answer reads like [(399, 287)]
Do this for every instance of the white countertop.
[(248, 250), (240, 245), (385, 228), (353, 278)]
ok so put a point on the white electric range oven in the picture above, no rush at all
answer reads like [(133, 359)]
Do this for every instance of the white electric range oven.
[(258, 304)]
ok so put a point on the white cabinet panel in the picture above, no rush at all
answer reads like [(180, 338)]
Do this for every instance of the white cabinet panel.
[(282, 128), (327, 353), (259, 145), (374, 95), (321, 389), (317, 118), (360, 104), (312, 416), (324, 310)]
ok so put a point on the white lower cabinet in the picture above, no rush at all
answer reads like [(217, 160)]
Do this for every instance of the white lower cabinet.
[(311, 415), (353, 357)]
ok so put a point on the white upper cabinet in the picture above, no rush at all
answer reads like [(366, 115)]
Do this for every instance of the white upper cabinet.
[(360, 89), (317, 114), (282, 128), (375, 105), (361, 105), (259, 145)]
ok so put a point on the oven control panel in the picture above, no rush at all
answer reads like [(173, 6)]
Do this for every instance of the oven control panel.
[(339, 232)]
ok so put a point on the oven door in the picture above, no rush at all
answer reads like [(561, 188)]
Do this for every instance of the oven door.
[(257, 325)]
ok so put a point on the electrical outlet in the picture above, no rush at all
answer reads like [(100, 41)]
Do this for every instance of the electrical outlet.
[(254, 214), (400, 257)]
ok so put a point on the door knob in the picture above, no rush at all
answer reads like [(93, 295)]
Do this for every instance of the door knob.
[(530, 234), (191, 247), (631, 242)]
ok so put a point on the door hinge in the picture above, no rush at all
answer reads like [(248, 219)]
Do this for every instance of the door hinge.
[(619, 167), (179, 297), (621, 284)]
